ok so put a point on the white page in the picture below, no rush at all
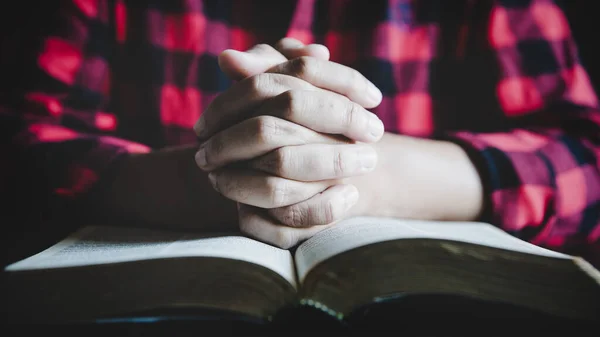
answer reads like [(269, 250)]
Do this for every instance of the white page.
[(362, 231), (103, 245)]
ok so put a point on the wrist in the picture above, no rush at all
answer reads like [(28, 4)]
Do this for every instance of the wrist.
[(166, 189), (460, 186), (420, 179)]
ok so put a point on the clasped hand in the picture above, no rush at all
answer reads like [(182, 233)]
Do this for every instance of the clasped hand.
[(284, 139)]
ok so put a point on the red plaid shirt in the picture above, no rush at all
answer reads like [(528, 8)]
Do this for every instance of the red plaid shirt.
[(105, 78)]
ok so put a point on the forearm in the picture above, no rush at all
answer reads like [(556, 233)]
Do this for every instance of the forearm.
[(420, 179), (165, 189)]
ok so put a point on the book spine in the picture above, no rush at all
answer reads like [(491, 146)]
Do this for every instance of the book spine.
[(322, 307)]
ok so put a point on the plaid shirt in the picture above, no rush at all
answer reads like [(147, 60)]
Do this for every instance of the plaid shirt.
[(502, 78)]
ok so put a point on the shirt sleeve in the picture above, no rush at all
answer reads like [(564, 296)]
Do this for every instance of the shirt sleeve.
[(541, 178), (54, 152)]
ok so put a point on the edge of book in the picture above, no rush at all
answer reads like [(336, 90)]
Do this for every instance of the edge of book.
[(587, 268)]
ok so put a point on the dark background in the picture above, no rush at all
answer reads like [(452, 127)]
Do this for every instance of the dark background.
[(30, 15), (29, 18)]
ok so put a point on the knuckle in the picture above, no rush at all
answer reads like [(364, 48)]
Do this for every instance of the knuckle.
[(254, 82), (249, 227), (266, 128), (259, 82), (303, 66), (263, 47), (279, 45), (245, 226), (280, 160), (287, 41), (339, 164), (284, 238), (275, 162), (230, 187), (265, 163), (213, 148), (292, 102), (351, 112), (294, 216), (330, 211), (216, 182), (278, 189), (249, 223), (226, 186)]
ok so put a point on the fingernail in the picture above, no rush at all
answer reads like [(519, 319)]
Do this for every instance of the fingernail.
[(374, 93), (376, 128), (201, 156), (351, 198), (368, 160), (200, 126)]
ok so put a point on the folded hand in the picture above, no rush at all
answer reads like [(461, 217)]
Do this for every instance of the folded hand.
[(282, 140)]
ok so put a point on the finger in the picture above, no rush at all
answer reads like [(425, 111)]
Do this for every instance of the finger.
[(255, 223), (324, 208), (258, 59), (238, 64), (325, 112), (314, 162), (237, 103), (255, 137), (292, 48), (263, 190), (334, 77)]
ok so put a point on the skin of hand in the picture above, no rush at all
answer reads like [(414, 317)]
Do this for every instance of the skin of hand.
[(165, 189), (294, 183), (282, 141)]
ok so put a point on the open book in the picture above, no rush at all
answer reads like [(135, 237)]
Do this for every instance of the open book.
[(103, 273)]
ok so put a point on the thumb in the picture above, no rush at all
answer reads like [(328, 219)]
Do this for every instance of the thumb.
[(292, 48), (258, 59), (262, 57)]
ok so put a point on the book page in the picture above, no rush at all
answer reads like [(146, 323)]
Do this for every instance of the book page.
[(362, 231), (102, 245)]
